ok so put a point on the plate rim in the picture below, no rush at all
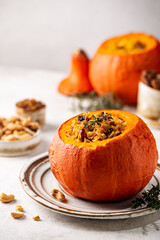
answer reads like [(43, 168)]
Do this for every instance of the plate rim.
[(42, 158)]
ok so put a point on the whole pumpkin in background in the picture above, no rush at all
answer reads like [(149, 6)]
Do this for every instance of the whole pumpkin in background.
[(119, 61), (78, 79), (109, 170)]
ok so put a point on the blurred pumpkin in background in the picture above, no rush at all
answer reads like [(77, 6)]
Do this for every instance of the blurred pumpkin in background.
[(78, 79), (119, 61)]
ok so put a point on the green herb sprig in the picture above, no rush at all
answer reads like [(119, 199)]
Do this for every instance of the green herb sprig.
[(97, 120), (150, 198), (91, 101)]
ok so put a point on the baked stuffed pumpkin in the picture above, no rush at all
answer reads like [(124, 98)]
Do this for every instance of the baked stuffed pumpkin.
[(107, 155)]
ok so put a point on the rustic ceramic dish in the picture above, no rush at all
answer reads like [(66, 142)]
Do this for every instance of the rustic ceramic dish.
[(17, 148), (148, 106), (37, 181), (37, 116)]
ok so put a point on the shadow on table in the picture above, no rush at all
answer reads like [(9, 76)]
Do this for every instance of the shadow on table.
[(47, 136), (112, 225), (43, 147), (50, 127)]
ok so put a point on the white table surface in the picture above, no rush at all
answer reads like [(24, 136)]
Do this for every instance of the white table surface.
[(15, 85)]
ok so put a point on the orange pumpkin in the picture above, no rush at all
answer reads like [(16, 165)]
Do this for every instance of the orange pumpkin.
[(119, 61), (78, 80), (109, 170)]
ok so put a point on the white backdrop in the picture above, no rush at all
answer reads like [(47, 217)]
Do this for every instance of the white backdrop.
[(43, 33)]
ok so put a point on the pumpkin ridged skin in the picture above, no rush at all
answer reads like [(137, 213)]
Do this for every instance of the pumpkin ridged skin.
[(78, 80), (114, 171), (121, 73)]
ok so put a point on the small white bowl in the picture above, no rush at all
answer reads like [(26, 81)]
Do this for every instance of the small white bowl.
[(17, 148), (148, 106), (37, 115)]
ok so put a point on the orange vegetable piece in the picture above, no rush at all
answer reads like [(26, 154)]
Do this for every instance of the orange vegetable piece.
[(78, 80)]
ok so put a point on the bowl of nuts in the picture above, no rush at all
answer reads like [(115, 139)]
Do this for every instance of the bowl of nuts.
[(18, 136)]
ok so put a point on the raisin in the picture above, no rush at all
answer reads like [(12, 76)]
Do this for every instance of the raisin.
[(81, 118), (109, 131), (119, 133), (83, 134), (112, 124)]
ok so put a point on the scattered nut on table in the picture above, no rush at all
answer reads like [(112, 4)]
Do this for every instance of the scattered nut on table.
[(19, 208), (6, 198), (36, 218), (58, 195), (17, 214)]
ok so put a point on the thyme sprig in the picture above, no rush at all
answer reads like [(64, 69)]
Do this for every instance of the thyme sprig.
[(150, 198), (91, 101), (98, 120)]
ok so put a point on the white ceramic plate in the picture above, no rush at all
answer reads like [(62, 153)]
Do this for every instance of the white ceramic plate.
[(17, 148), (37, 180)]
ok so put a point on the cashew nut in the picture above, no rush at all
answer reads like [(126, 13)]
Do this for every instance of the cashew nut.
[(36, 218), (9, 138), (33, 125), (17, 214), (13, 119), (19, 208), (58, 195), (6, 198), (13, 126)]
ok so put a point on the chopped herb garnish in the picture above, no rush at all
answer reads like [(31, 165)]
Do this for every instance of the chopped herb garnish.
[(150, 198), (97, 120)]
